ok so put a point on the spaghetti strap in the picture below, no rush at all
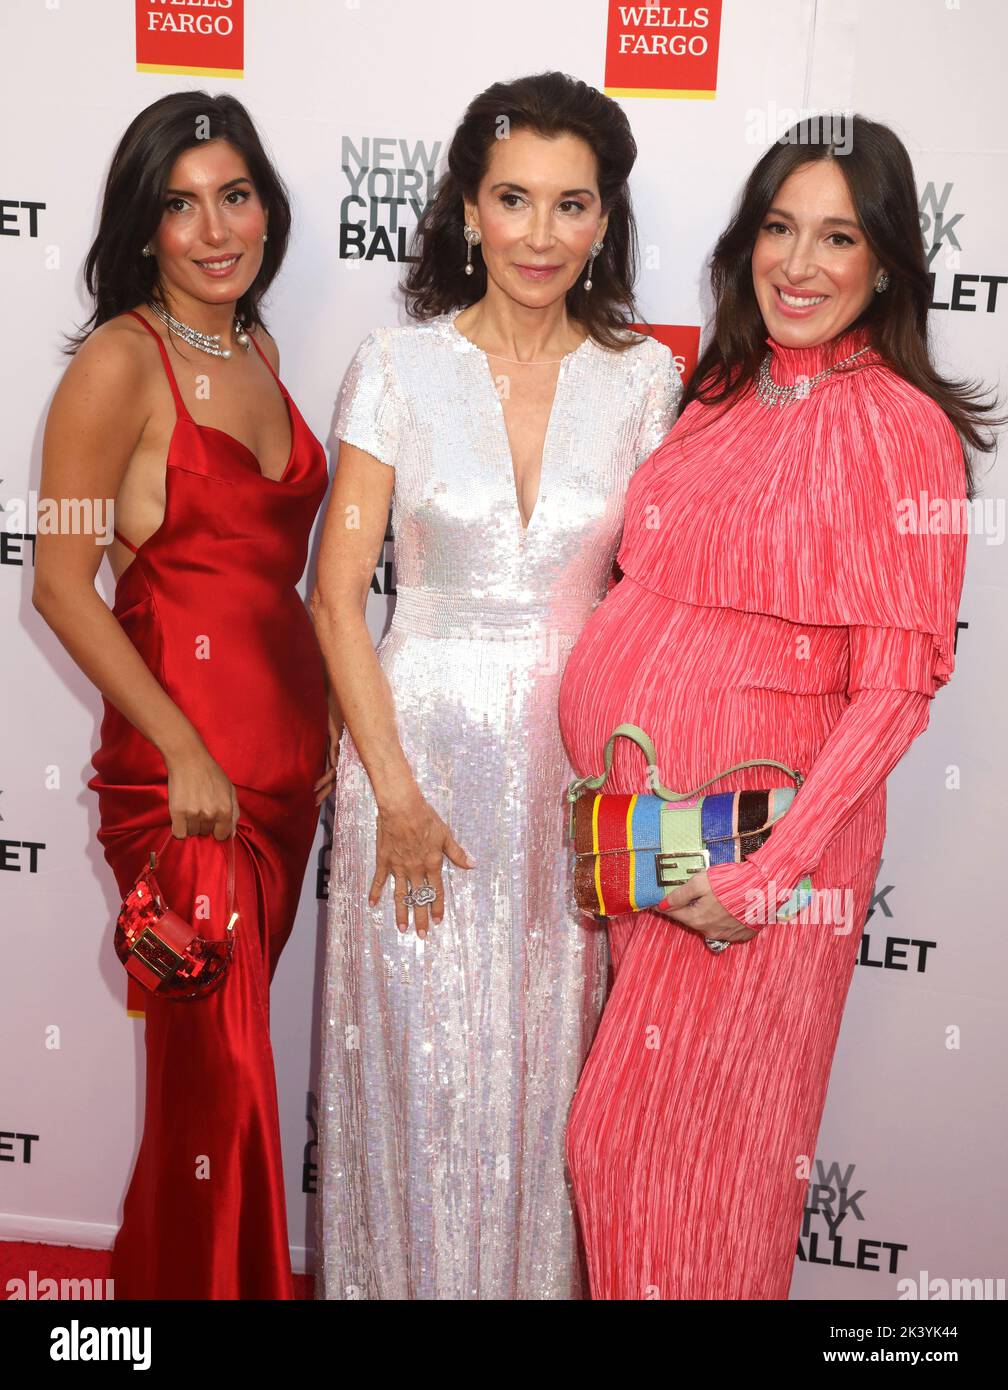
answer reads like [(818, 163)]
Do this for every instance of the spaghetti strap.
[(265, 359), (128, 544), (200, 573), (180, 404)]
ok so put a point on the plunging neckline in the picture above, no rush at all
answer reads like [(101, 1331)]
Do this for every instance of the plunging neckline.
[(215, 429), (182, 410), (504, 437), (184, 415)]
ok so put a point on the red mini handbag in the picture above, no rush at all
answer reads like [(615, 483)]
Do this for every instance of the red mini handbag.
[(160, 950)]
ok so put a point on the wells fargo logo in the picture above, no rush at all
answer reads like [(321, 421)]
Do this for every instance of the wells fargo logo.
[(202, 37), (657, 50)]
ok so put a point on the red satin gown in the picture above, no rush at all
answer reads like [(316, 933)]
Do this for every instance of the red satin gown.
[(210, 604)]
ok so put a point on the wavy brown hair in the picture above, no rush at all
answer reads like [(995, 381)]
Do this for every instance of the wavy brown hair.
[(880, 177), (549, 104), (116, 273)]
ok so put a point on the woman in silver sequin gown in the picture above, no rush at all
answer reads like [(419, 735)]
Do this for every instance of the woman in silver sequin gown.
[(449, 1063)]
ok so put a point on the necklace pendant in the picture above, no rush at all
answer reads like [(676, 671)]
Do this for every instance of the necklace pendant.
[(205, 342), (773, 395)]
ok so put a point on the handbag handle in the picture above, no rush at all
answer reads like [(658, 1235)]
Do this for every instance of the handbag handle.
[(638, 736), (229, 854)]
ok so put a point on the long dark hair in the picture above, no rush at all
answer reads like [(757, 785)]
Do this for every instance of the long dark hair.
[(880, 178), (116, 273), (549, 104)]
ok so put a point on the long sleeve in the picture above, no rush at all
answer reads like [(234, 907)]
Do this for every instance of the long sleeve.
[(845, 512), (846, 509), (890, 688)]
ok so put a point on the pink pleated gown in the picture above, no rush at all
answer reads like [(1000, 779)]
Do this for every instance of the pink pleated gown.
[(773, 604)]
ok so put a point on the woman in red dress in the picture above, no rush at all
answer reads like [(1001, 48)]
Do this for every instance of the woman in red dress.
[(774, 604), (215, 704)]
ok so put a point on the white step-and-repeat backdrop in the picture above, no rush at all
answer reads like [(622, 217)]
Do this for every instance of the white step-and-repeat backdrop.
[(357, 100)]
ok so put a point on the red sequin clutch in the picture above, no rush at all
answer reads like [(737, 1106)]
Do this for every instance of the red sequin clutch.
[(160, 950)]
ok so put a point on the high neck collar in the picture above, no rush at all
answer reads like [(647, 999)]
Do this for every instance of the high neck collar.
[(788, 364)]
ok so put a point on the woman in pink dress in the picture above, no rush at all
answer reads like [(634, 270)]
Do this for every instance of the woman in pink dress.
[(775, 603)]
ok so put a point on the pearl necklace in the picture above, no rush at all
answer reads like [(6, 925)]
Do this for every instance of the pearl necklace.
[(771, 394), (206, 342)]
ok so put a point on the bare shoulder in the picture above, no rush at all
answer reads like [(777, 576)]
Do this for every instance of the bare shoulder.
[(114, 343), (112, 365), (268, 346), (102, 405)]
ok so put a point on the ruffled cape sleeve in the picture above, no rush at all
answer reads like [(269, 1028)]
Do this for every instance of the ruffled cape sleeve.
[(861, 524), (853, 513)]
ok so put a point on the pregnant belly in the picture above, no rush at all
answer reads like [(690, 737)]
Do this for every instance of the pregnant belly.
[(688, 676)]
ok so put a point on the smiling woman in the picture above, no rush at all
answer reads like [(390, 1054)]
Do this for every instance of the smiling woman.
[(173, 407), (790, 618), (827, 233), (503, 427)]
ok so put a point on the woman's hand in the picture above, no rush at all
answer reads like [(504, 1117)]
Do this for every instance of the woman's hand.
[(694, 905), (411, 842), (201, 798), (327, 781)]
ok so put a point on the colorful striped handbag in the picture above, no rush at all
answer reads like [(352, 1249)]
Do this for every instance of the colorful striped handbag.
[(630, 850)]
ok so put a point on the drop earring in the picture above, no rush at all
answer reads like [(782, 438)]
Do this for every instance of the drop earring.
[(472, 237), (146, 251), (882, 283), (596, 248)]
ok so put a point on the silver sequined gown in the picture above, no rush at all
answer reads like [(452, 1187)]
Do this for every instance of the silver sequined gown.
[(448, 1066)]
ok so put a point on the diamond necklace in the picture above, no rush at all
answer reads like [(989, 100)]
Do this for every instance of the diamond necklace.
[(206, 342), (771, 394)]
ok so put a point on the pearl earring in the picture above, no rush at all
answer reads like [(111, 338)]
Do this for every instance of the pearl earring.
[(596, 248), (472, 237)]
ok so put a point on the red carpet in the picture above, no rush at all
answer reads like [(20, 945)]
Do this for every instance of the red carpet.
[(18, 1258)]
